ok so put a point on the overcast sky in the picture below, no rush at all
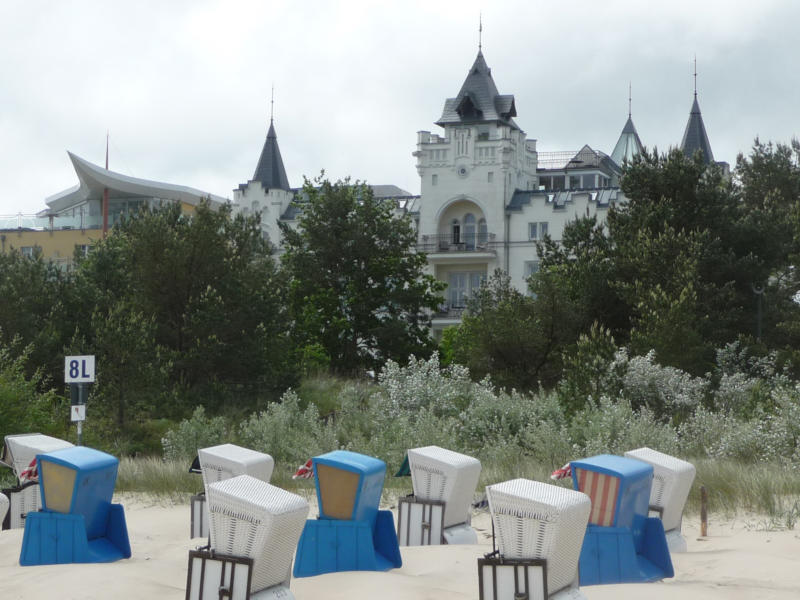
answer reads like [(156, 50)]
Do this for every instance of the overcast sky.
[(183, 87)]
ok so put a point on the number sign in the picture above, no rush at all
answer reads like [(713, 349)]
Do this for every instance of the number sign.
[(79, 369)]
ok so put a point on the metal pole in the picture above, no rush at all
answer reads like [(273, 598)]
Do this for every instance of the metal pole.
[(759, 292)]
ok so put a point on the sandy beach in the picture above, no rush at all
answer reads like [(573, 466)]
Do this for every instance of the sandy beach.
[(739, 560)]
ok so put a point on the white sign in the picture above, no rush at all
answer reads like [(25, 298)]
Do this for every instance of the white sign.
[(77, 412), (79, 369)]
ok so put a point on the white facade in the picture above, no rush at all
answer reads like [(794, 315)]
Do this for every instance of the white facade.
[(487, 195)]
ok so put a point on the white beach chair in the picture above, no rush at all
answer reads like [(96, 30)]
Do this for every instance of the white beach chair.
[(229, 460), (254, 520), (539, 530), (218, 463), (3, 507), (439, 511), (18, 452), (672, 482)]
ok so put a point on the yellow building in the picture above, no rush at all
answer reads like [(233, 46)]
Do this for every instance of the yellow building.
[(74, 218)]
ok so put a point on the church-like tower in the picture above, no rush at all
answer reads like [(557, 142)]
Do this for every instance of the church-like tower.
[(469, 173), (694, 136), (628, 144), (268, 193)]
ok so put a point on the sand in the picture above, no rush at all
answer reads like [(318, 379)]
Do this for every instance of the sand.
[(738, 560)]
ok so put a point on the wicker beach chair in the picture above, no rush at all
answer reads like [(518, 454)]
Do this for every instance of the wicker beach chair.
[(439, 509), (672, 482), (229, 460), (18, 452), (252, 519), (3, 507), (218, 463), (539, 528)]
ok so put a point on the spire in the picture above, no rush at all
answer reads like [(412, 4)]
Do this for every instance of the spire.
[(695, 137), (270, 171), (629, 100), (480, 32), (628, 144), (478, 101)]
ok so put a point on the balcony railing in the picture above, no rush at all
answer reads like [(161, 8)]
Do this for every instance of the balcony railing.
[(446, 242), (449, 311), (50, 223)]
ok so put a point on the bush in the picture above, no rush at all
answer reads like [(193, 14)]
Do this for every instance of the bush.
[(615, 427), (24, 408), (288, 433), (199, 431)]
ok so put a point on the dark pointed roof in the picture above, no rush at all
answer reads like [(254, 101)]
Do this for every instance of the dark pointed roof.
[(478, 101), (628, 144), (269, 171), (695, 137)]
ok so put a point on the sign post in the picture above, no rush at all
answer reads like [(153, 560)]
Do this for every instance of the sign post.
[(78, 373)]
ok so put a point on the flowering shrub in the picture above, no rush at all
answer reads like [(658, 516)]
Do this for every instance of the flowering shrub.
[(287, 433), (614, 427), (423, 404), (666, 391), (199, 431)]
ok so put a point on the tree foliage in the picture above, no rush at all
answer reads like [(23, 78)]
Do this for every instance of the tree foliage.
[(197, 297), (515, 338), (678, 267), (357, 287)]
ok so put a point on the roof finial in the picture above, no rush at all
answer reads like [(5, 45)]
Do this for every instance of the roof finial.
[(480, 31), (629, 99), (695, 75), (272, 104)]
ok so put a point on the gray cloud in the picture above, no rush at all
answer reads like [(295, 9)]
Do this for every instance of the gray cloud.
[(184, 87)]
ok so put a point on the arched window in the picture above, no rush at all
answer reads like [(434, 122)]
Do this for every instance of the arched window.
[(455, 230), (483, 233), (469, 231)]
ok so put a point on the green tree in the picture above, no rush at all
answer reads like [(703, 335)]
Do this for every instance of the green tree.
[(516, 339), (28, 404), (35, 310), (358, 288), (203, 293), (768, 181)]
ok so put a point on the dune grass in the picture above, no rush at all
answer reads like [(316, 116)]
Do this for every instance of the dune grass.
[(771, 490)]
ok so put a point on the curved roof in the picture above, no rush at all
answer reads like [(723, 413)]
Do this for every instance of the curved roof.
[(93, 179)]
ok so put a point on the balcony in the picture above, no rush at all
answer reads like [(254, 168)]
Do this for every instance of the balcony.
[(449, 311), (445, 243)]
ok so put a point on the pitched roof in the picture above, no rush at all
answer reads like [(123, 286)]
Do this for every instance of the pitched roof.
[(269, 171), (478, 101), (695, 137), (628, 144)]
